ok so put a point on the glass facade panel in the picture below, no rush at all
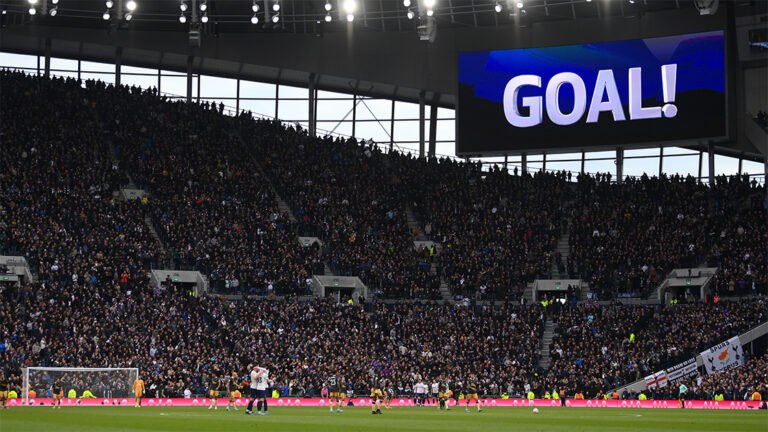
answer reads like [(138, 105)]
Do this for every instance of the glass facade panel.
[(372, 130), (334, 110), (259, 108), (251, 89), (293, 110), (288, 92), (28, 63), (215, 87), (374, 109), (638, 167)]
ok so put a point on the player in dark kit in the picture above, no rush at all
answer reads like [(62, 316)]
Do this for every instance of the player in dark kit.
[(58, 392), (231, 385), (214, 387), (376, 396), (336, 395), (3, 390), (442, 395), (389, 394), (471, 392)]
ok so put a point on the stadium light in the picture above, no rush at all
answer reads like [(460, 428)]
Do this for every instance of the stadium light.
[(410, 14), (275, 18), (519, 5), (32, 2), (350, 6), (105, 17), (183, 6), (53, 11), (55, 2), (32, 11), (254, 19), (130, 5), (204, 18), (407, 3), (128, 16), (350, 17), (203, 6), (429, 4), (430, 12), (328, 18), (497, 8), (328, 6), (109, 4), (631, 1), (276, 7), (182, 19), (255, 7)]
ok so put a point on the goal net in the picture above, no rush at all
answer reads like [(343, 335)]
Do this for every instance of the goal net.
[(99, 382)]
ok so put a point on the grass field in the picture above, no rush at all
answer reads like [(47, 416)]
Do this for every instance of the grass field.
[(317, 419)]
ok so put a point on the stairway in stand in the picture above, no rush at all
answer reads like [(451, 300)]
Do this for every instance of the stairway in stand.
[(546, 343)]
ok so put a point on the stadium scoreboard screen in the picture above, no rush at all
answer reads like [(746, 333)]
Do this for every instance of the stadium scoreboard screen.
[(592, 95)]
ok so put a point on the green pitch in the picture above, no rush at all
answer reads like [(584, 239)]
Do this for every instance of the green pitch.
[(317, 419)]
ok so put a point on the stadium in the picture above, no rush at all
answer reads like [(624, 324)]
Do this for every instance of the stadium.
[(284, 215)]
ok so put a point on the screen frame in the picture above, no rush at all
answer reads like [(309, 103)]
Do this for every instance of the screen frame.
[(700, 142)]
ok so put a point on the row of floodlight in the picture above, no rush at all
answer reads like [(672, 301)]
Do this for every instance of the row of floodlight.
[(349, 6)]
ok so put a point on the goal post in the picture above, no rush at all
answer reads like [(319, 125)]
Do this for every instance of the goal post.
[(100, 382)]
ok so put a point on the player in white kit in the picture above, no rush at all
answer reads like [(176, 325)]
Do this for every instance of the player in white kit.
[(255, 374), (262, 384)]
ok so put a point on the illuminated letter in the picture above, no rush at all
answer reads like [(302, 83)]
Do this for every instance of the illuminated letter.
[(636, 110), (605, 83), (533, 102), (579, 98)]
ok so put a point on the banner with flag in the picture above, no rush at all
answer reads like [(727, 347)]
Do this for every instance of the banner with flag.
[(657, 380), (725, 356), (682, 371)]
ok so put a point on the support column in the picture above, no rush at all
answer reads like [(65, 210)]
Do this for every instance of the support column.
[(524, 162), (47, 70), (701, 162), (392, 128), (741, 160), (237, 98), (711, 151), (432, 130), (197, 98), (312, 95), (661, 160), (421, 124), (583, 158), (189, 78), (277, 97), (506, 163), (159, 79), (619, 165), (354, 115), (79, 64), (118, 65), (544, 161)]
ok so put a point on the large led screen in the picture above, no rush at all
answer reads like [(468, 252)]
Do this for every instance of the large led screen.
[(591, 95)]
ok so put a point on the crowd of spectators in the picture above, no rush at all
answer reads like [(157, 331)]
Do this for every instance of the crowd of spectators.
[(210, 204), (626, 237), (209, 180), (348, 195), (735, 384), (602, 347)]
